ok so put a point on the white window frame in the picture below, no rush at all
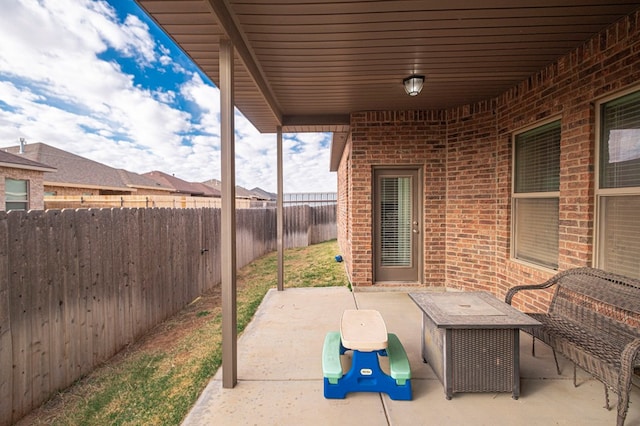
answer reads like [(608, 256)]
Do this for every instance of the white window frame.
[(527, 195), (602, 193)]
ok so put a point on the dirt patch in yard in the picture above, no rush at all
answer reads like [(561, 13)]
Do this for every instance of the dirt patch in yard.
[(168, 333)]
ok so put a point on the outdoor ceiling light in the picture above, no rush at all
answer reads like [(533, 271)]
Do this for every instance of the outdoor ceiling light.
[(413, 84)]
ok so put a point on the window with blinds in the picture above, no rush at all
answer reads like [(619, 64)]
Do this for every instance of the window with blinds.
[(620, 235), (535, 195), (620, 143), (17, 194), (536, 237), (395, 216), (618, 192)]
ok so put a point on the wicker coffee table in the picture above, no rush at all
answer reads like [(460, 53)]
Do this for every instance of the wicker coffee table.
[(471, 340)]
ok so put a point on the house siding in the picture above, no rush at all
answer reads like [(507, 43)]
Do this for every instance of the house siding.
[(68, 190), (466, 156), (36, 187)]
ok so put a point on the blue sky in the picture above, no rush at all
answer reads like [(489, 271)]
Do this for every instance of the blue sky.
[(98, 79)]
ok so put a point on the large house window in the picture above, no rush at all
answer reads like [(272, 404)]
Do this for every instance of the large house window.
[(618, 189), (17, 194), (536, 191)]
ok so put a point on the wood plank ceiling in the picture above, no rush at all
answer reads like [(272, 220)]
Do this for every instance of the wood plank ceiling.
[(306, 64)]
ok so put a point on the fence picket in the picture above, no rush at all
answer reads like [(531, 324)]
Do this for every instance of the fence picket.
[(134, 265), (19, 314), (6, 345), (56, 297), (36, 280), (70, 286)]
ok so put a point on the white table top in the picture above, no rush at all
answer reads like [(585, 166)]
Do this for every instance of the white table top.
[(363, 330)]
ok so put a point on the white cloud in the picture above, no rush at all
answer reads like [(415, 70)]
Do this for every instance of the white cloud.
[(61, 84), (207, 99)]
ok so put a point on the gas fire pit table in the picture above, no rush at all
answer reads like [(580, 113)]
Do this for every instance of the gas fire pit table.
[(471, 340)]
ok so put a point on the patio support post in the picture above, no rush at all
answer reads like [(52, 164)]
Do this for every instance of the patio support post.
[(228, 218), (280, 212)]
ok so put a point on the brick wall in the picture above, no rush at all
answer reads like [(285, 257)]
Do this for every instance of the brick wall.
[(472, 197), (71, 190), (344, 206), (67, 190), (605, 65), (400, 138), (36, 187), (466, 156)]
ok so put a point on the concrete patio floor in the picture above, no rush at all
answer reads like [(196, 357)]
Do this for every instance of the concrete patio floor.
[(280, 375)]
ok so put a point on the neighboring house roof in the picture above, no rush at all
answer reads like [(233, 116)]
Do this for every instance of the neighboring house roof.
[(179, 186), (240, 191), (208, 191), (134, 180), (21, 162), (264, 195), (75, 171)]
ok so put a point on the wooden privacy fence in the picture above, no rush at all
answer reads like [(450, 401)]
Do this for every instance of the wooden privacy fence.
[(76, 286), (132, 201)]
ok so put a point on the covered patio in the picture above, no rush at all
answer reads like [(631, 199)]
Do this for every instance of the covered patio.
[(280, 375), (494, 74)]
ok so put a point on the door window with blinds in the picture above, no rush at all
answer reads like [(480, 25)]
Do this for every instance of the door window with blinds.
[(536, 190), (618, 189), (395, 217)]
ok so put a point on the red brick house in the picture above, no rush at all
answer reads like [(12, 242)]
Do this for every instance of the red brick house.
[(76, 175), (520, 157), (543, 177), (21, 182)]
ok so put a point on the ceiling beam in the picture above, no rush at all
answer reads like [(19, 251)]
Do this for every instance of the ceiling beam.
[(315, 120), (220, 9), (338, 143)]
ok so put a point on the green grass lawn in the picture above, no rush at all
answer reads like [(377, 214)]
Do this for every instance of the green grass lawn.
[(157, 380)]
